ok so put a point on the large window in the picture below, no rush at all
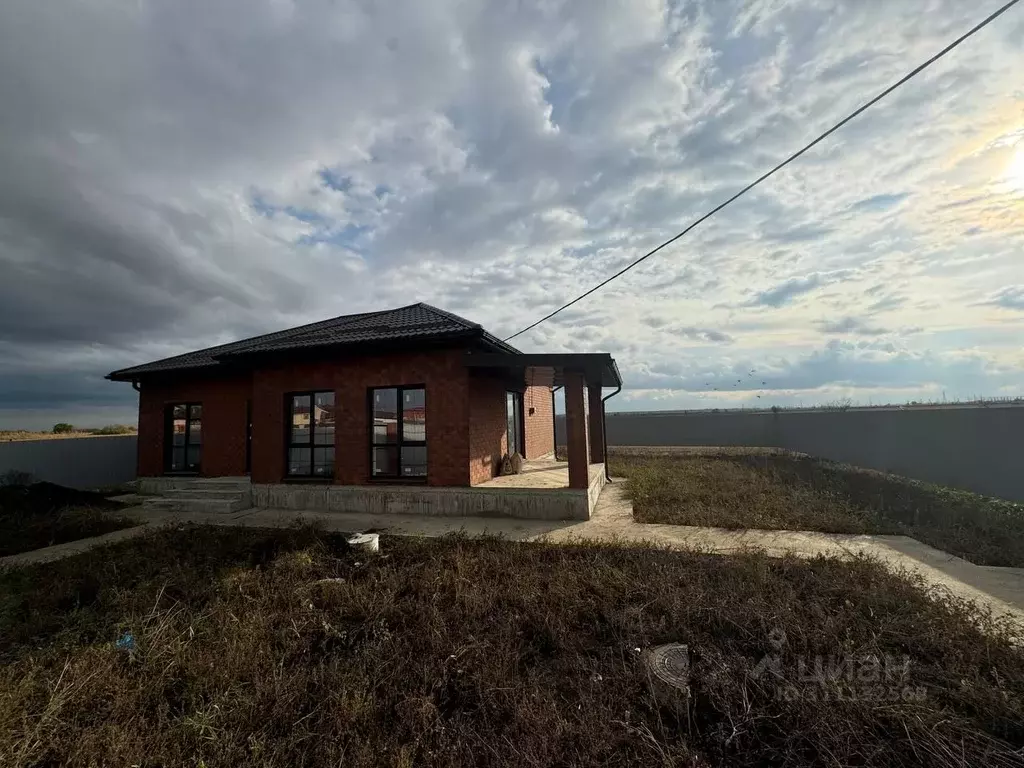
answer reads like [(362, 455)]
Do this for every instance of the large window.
[(311, 434), (184, 437), (398, 438)]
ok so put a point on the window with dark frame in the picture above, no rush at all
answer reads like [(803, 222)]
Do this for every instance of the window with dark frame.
[(310, 450), (398, 432), (184, 437)]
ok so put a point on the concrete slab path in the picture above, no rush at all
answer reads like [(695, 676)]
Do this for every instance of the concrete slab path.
[(1001, 589), (60, 551)]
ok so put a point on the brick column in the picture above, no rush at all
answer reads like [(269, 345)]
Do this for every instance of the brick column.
[(596, 424), (576, 431)]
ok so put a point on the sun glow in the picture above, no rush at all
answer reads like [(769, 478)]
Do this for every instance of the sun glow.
[(1015, 170)]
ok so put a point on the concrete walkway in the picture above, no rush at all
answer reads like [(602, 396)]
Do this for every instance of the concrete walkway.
[(60, 551), (1001, 589)]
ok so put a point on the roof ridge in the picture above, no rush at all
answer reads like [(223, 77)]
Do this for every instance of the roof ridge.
[(445, 313)]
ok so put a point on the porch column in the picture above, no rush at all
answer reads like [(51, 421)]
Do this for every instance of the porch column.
[(576, 431), (596, 423)]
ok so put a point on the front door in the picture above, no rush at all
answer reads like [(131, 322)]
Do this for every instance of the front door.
[(514, 417), (183, 438)]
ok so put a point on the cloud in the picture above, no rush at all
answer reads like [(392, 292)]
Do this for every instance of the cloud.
[(786, 291), (1011, 297), (879, 202), (850, 325), (180, 174), (709, 335)]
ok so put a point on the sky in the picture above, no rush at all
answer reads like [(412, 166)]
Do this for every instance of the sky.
[(177, 175)]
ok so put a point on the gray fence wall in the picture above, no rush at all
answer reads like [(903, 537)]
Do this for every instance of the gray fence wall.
[(977, 448), (82, 462)]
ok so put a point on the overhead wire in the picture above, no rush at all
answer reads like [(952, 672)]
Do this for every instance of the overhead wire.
[(864, 107)]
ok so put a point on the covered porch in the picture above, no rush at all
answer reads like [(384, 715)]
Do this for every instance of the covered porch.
[(541, 473), (583, 377)]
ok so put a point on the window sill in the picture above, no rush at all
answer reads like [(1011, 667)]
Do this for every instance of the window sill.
[(309, 480)]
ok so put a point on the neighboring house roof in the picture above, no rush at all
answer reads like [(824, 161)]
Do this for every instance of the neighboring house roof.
[(416, 322)]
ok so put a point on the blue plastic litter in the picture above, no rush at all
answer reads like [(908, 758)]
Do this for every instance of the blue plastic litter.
[(126, 642)]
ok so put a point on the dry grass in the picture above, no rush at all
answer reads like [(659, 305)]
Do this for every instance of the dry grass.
[(481, 652), (740, 488), (39, 515)]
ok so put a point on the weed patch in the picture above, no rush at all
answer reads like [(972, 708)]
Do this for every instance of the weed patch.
[(39, 515), (778, 490), (252, 647)]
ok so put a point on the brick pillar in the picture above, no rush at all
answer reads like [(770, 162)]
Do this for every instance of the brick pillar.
[(596, 424), (576, 431)]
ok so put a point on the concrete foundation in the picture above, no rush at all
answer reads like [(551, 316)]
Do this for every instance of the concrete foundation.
[(539, 494), (528, 503)]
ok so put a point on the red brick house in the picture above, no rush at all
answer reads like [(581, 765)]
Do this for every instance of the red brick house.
[(414, 395)]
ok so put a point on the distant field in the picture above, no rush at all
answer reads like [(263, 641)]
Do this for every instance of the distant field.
[(16, 435), (780, 490)]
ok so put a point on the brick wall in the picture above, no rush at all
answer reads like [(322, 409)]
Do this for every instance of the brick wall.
[(466, 425), (223, 426), (447, 407), (488, 428), (540, 426)]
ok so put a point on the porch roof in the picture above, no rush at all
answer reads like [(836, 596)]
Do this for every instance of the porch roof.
[(595, 366)]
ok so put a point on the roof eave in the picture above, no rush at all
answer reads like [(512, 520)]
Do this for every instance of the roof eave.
[(600, 364)]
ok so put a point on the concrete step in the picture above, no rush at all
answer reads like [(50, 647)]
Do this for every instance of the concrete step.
[(216, 483), (161, 485), (206, 493), (201, 506)]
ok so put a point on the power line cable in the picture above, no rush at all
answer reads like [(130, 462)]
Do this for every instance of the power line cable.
[(917, 70)]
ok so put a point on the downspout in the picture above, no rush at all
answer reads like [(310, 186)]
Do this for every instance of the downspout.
[(604, 428), (554, 430), (138, 443)]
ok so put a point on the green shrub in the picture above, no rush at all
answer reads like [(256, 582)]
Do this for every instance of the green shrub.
[(63, 428)]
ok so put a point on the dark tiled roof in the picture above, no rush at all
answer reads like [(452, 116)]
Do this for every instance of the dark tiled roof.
[(417, 321)]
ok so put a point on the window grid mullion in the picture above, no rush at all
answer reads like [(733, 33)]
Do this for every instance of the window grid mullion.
[(312, 432), (399, 413)]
